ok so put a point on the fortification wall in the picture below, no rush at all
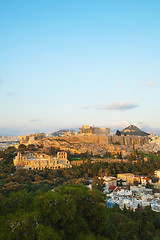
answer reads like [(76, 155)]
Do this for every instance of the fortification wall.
[(105, 140)]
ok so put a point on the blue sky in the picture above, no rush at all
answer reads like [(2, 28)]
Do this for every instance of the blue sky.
[(68, 63)]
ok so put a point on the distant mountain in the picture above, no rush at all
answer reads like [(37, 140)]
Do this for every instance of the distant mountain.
[(133, 130), (154, 131), (61, 132)]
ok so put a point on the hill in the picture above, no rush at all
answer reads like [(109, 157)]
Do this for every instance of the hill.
[(133, 130), (61, 132)]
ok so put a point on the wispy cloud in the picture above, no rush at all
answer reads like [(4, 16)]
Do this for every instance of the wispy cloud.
[(120, 106), (35, 120), (145, 83), (151, 84), (10, 93)]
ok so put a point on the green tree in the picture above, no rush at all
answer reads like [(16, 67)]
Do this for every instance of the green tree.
[(118, 133), (22, 148), (31, 147)]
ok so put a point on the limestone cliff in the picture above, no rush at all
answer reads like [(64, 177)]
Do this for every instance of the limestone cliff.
[(95, 144)]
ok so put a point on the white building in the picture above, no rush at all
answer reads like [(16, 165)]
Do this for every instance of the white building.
[(157, 173)]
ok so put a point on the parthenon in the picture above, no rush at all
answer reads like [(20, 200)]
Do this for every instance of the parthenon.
[(94, 130)]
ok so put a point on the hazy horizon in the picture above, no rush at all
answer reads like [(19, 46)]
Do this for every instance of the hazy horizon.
[(113, 128)]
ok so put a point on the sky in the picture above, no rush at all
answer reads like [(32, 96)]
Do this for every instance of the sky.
[(64, 64)]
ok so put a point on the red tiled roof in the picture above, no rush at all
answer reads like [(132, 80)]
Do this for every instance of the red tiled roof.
[(112, 187), (117, 189), (145, 178)]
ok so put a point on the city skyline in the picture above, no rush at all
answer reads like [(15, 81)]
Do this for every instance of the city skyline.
[(64, 64)]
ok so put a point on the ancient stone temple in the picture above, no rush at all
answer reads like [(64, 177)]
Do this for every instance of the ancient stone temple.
[(94, 130), (40, 161)]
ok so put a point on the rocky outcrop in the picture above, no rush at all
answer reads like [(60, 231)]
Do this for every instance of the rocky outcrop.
[(103, 139), (96, 144)]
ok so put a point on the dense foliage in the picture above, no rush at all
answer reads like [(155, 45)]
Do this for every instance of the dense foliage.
[(32, 180), (72, 212)]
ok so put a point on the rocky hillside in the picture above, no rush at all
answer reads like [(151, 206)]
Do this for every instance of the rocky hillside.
[(133, 130), (61, 133), (95, 144)]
